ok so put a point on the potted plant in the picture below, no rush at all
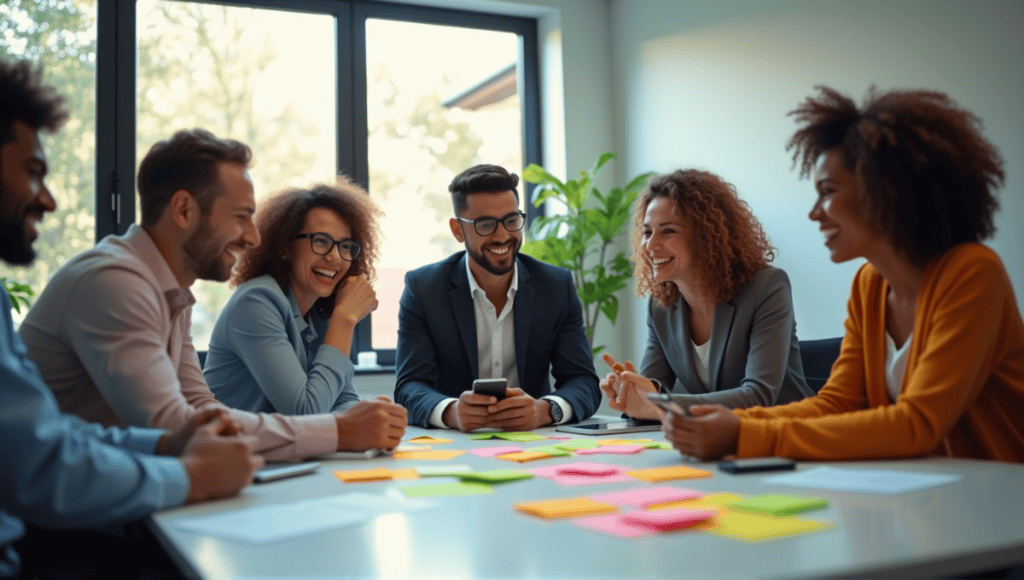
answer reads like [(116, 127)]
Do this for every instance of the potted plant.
[(580, 240), (18, 293)]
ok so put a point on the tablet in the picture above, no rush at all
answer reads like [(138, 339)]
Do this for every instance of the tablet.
[(281, 471), (611, 427)]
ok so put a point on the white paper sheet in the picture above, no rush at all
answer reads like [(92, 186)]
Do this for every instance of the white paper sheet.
[(272, 523), (881, 481)]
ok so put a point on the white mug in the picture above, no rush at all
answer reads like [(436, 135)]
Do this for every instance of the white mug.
[(367, 358)]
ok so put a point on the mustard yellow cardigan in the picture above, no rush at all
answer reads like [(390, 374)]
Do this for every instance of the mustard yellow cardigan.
[(963, 391)]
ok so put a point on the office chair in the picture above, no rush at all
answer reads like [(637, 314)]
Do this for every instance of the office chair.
[(817, 357)]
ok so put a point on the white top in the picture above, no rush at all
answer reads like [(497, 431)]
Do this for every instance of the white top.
[(701, 361), (495, 343), (895, 365)]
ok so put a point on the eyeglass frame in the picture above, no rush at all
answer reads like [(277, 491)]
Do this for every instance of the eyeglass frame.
[(334, 244), (501, 220)]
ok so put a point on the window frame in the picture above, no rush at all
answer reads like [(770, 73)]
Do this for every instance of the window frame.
[(116, 53)]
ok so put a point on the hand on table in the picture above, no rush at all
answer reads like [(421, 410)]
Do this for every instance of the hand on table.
[(710, 433), (469, 412), (376, 424), (518, 411), (218, 464), (173, 443)]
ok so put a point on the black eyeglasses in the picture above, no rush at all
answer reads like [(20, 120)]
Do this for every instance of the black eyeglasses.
[(486, 226), (322, 244)]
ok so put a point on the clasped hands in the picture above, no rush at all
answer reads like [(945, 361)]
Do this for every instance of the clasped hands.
[(518, 411)]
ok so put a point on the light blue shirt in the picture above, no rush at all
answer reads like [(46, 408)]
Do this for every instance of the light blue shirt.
[(265, 357), (61, 472)]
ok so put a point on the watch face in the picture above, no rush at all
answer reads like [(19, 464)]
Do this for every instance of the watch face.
[(556, 411)]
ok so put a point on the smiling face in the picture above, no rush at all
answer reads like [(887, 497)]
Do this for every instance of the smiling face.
[(494, 254), (24, 197), (839, 212), (226, 229), (313, 276), (667, 242)]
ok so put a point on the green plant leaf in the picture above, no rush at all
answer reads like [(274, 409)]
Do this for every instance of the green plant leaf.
[(536, 174), (610, 308), (604, 158)]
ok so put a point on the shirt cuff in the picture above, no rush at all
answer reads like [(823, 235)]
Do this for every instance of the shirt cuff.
[(566, 408), (176, 480), (435, 415)]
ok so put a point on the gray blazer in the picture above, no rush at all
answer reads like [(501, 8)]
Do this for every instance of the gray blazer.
[(755, 355)]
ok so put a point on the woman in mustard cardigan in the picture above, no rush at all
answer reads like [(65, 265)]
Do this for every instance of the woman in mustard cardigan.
[(932, 361)]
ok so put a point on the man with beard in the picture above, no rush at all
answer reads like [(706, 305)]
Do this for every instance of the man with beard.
[(59, 472), (111, 330), (489, 312)]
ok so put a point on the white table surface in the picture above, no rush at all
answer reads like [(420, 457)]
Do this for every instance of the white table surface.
[(974, 524)]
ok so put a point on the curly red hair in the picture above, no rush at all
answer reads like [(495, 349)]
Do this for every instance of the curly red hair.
[(280, 217), (735, 245)]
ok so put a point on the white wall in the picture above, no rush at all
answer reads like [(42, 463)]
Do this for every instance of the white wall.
[(708, 84)]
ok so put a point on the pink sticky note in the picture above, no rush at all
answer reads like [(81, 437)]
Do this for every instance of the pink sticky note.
[(645, 496), (584, 468), (668, 519), (613, 525), (615, 449), (560, 437), (575, 480), (492, 451)]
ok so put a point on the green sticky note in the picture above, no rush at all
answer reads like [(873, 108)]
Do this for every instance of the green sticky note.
[(778, 504), (519, 436), (495, 476), (553, 450), (574, 444), (441, 470), (656, 445), (442, 489)]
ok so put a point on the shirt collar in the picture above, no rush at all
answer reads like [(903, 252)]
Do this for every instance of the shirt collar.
[(473, 286), (178, 298)]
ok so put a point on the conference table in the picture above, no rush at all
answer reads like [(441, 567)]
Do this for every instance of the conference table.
[(973, 524)]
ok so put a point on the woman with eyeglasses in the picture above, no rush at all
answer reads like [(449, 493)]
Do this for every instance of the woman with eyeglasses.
[(282, 342)]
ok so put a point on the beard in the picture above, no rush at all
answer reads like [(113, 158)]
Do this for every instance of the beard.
[(15, 244), (203, 253), (481, 258)]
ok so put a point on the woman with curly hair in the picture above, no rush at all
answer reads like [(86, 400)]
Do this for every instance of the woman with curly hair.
[(720, 319), (932, 361), (282, 342)]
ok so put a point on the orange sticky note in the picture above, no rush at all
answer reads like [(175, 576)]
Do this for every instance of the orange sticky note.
[(524, 456), (711, 500), (656, 474), (442, 455), (606, 442), (409, 473), (565, 508), (429, 439), (364, 475)]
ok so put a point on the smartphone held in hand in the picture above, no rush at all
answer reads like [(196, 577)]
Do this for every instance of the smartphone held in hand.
[(666, 403), (493, 387)]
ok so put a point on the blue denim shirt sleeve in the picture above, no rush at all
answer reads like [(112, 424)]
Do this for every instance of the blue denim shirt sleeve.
[(60, 472)]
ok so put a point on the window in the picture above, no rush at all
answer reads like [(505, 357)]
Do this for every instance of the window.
[(318, 88)]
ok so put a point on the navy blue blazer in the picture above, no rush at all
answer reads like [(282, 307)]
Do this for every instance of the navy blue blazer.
[(437, 347)]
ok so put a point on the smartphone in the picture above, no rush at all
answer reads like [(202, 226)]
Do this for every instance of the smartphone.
[(281, 471), (665, 402), (493, 387), (757, 464), (611, 427)]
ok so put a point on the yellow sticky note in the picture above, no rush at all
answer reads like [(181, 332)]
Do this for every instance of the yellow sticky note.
[(565, 508), (524, 456), (364, 475), (656, 474), (604, 442), (758, 528), (427, 439), (442, 455), (409, 473), (712, 500)]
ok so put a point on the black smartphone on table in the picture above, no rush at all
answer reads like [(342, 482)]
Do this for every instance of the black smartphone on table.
[(754, 464), (493, 387)]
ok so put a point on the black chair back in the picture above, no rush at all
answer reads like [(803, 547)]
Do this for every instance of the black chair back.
[(818, 356)]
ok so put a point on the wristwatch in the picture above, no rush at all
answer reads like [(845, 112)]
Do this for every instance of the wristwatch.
[(556, 410)]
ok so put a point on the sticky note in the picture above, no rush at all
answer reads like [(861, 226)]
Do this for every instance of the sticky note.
[(658, 445), (711, 500), (584, 468), (672, 519), (565, 508), (441, 470), (492, 451), (586, 474), (757, 528), (428, 439), (612, 449), (378, 474), (656, 474), (552, 450), (524, 456), (409, 473), (439, 455), (613, 525), (644, 496), (613, 442), (574, 444), (778, 504), (495, 476), (441, 489), (518, 436)]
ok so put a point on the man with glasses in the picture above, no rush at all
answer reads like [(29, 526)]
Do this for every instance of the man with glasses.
[(489, 312), (111, 330)]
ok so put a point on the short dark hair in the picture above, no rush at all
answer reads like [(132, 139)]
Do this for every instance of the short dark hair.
[(927, 175), (24, 97), (481, 179), (188, 160), (280, 217)]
